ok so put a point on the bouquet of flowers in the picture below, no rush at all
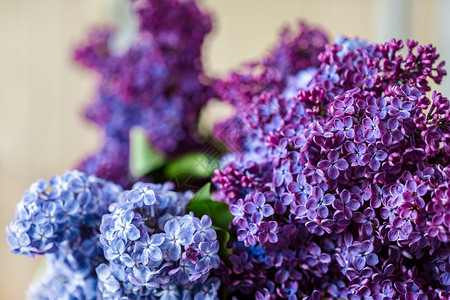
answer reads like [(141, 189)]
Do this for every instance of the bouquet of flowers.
[(330, 181)]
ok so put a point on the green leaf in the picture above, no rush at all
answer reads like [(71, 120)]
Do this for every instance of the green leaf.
[(202, 204), (202, 195), (197, 165), (143, 159), (223, 236)]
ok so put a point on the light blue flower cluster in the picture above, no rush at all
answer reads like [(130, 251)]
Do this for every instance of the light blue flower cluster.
[(146, 247), (62, 215), (61, 219), (60, 282), (154, 249)]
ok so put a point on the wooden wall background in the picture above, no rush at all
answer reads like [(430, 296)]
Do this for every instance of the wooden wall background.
[(42, 92)]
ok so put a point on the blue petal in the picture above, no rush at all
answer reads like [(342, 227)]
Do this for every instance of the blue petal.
[(47, 230), (134, 195), (149, 197), (23, 239), (445, 279), (118, 245), (214, 261), (185, 237), (359, 263), (39, 218), (127, 217), (133, 233), (198, 237), (13, 242), (138, 247), (66, 196), (110, 255), (155, 254), (174, 251), (205, 247), (127, 260), (157, 239), (215, 246), (141, 273), (172, 227), (112, 285), (71, 206), (39, 186), (77, 185), (202, 266), (211, 234), (206, 221), (103, 272), (183, 276)]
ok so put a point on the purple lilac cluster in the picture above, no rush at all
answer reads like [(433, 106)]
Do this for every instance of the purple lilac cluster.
[(157, 84), (155, 250), (294, 52), (342, 190), (61, 219)]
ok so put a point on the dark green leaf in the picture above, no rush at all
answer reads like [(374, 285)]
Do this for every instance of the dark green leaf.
[(202, 204), (143, 159), (223, 236), (203, 194)]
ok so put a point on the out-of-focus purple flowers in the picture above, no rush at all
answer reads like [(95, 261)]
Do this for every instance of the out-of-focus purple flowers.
[(157, 84), (277, 73), (353, 171)]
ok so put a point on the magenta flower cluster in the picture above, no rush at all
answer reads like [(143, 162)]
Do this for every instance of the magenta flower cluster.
[(157, 84), (341, 189)]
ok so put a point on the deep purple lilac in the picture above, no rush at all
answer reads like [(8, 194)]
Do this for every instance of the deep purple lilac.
[(354, 166), (157, 84)]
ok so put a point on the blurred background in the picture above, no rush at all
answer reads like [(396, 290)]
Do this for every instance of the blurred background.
[(42, 92)]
